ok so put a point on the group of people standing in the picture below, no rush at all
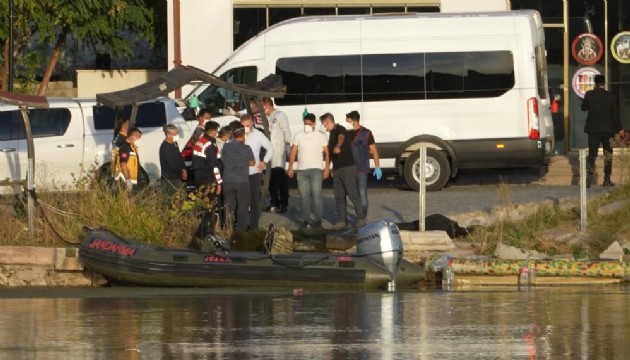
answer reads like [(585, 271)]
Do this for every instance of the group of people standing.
[(228, 164), (349, 152)]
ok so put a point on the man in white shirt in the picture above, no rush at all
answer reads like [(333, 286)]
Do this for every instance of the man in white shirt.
[(280, 134), (313, 168), (257, 141)]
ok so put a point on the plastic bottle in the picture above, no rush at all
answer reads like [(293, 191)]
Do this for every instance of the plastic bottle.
[(531, 269), (448, 275), (523, 274), (440, 263)]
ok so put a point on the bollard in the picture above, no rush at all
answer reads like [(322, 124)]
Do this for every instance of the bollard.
[(583, 175), (422, 191)]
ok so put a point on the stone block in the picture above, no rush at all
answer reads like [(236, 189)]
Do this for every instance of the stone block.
[(612, 207), (67, 260), (27, 255), (426, 240), (614, 252), (31, 275), (73, 279)]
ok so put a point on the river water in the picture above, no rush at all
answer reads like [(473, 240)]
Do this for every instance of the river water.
[(589, 322)]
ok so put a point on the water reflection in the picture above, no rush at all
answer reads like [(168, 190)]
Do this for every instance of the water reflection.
[(208, 324)]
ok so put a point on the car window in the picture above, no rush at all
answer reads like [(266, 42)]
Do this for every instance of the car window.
[(151, 114), (44, 123)]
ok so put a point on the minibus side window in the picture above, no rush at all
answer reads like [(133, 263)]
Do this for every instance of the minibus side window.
[(469, 74), (388, 77), (320, 79)]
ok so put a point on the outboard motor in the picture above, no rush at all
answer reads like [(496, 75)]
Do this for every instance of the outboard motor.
[(380, 241)]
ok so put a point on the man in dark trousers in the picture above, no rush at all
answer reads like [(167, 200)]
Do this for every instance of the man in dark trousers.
[(173, 168), (206, 161), (237, 157), (344, 172), (602, 123)]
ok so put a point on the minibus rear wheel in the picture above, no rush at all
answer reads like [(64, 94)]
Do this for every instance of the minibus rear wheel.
[(437, 170)]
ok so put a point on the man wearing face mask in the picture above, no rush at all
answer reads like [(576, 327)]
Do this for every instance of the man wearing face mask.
[(206, 158), (280, 135), (173, 168), (363, 146), (344, 172), (128, 160), (256, 141), (312, 147), (202, 119)]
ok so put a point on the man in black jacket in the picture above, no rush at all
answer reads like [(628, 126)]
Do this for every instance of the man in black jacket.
[(171, 161), (602, 123)]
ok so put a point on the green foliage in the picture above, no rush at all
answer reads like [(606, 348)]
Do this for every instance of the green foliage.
[(104, 26)]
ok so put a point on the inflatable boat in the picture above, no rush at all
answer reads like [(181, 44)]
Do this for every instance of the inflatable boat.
[(378, 263)]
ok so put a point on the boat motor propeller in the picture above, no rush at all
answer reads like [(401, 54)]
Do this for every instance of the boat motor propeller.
[(380, 241)]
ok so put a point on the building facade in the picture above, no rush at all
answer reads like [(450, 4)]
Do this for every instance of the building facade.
[(203, 33)]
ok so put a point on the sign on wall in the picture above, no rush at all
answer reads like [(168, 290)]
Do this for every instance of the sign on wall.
[(587, 49), (620, 47), (584, 80)]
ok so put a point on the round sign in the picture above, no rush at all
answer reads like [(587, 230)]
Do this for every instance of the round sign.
[(620, 47), (584, 80), (587, 49)]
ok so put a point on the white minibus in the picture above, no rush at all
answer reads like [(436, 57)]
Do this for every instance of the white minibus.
[(472, 87)]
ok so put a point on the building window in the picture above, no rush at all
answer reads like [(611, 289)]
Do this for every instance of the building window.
[(248, 22), (387, 9), (353, 10), (423, 9), (277, 15), (314, 11)]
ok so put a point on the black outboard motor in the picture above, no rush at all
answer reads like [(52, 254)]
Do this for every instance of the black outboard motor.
[(205, 239)]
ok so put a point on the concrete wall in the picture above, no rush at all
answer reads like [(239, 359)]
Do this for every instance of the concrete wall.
[(206, 34), (91, 82), (41, 266)]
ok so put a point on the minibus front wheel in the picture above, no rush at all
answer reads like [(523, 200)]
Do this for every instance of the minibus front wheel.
[(437, 170)]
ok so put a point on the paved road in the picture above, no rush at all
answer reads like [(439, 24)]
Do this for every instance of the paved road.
[(391, 199)]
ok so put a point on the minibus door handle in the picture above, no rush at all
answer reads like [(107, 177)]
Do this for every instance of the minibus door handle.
[(63, 146), (6, 150)]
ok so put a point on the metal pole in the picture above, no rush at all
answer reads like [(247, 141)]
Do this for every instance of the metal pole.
[(11, 25), (134, 114), (565, 75), (583, 175), (422, 190), (30, 172), (606, 43)]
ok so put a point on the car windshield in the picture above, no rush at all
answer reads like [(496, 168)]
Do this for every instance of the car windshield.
[(217, 99)]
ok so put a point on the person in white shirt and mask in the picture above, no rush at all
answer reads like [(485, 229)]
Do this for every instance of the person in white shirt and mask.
[(313, 167)]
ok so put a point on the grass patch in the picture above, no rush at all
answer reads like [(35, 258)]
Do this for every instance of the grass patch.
[(529, 233), (148, 216)]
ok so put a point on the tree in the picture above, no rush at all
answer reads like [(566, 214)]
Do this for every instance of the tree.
[(111, 26)]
